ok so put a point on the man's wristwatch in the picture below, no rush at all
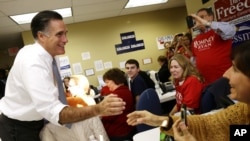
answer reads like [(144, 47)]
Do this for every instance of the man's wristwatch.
[(208, 24), (166, 124)]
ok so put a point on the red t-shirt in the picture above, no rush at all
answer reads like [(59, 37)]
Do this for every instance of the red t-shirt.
[(212, 55), (189, 93), (183, 51), (116, 126)]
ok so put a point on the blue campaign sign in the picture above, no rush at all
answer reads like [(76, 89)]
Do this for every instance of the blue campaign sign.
[(129, 43)]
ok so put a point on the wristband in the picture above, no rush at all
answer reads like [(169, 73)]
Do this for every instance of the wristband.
[(167, 124)]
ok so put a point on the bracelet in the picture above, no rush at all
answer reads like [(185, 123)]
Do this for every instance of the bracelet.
[(167, 124)]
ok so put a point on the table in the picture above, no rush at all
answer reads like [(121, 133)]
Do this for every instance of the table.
[(149, 135), (167, 96)]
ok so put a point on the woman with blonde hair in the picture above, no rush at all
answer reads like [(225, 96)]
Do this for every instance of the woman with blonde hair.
[(188, 83)]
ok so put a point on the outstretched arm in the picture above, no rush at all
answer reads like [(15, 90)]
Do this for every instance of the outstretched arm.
[(145, 117), (111, 105), (224, 29)]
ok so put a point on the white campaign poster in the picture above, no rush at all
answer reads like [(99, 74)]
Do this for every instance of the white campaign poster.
[(161, 40)]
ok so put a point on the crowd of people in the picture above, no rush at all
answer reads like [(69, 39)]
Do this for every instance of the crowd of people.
[(189, 63)]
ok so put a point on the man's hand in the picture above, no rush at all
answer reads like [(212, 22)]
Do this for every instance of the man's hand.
[(111, 105), (199, 22)]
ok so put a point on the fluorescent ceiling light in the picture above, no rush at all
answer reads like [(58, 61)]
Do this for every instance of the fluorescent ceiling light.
[(137, 3), (26, 18)]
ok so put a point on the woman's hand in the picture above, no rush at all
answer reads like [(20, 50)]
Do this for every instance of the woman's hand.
[(181, 132), (144, 117)]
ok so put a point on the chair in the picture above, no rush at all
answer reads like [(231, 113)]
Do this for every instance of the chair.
[(149, 100), (215, 96)]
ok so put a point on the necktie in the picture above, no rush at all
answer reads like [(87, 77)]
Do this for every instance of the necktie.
[(57, 76)]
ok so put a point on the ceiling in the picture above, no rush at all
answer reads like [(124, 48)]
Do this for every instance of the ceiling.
[(83, 10)]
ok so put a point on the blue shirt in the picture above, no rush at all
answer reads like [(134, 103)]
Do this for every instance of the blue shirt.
[(138, 85)]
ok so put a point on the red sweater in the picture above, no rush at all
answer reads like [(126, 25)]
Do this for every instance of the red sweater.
[(116, 126), (189, 93), (212, 55)]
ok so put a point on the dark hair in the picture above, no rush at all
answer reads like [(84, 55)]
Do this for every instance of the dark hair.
[(208, 10), (162, 59), (41, 21), (189, 36), (133, 61), (66, 77), (241, 57), (116, 75)]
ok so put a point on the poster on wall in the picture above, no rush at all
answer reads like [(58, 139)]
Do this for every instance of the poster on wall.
[(64, 66), (85, 55), (99, 65), (122, 64), (77, 68), (162, 40), (129, 43), (108, 65), (236, 12)]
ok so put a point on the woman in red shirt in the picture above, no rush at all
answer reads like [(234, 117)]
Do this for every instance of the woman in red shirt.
[(184, 44), (188, 83), (116, 126)]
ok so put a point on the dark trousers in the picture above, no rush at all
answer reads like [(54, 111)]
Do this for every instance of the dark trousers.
[(15, 130)]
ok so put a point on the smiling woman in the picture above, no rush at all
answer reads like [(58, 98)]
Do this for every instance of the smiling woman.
[(188, 84), (116, 126)]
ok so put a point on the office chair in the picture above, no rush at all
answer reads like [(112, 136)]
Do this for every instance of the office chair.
[(149, 100)]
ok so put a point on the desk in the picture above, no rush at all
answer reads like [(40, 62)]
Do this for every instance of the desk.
[(167, 96), (149, 135)]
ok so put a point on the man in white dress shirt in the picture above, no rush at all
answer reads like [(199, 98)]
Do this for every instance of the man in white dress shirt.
[(31, 93)]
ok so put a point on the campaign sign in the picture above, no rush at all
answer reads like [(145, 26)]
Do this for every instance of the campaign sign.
[(129, 43), (239, 132), (236, 12)]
